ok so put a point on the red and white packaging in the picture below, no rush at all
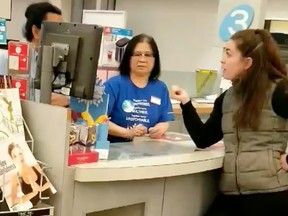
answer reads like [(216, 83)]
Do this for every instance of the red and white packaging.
[(22, 85), (18, 57), (81, 157)]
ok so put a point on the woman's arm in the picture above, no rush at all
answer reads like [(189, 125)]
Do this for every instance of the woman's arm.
[(117, 131), (158, 130), (280, 99), (47, 184), (208, 133), (23, 199), (14, 186), (280, 107)]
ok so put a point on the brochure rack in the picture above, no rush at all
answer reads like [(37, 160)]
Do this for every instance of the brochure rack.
[(41, 208)]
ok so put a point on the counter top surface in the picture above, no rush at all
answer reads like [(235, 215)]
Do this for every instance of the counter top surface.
[(146, 159)]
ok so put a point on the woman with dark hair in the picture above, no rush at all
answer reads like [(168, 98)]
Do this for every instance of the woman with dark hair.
[(251, 117), (139, 102)]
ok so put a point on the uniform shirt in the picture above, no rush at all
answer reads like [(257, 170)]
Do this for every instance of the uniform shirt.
[(130, 105)]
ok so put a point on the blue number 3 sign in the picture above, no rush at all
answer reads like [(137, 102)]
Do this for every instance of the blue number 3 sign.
[(239, 18)]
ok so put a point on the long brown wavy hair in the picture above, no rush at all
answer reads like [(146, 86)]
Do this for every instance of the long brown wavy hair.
[(251, 89)]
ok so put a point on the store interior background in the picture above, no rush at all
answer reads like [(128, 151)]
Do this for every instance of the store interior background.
[(185, 30)]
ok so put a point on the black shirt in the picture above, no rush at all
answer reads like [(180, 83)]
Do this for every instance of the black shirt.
[(210, 132)]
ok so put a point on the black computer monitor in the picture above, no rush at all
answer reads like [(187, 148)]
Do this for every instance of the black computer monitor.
[(74, 49)]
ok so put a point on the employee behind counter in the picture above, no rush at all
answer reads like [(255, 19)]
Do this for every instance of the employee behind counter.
[(139, 102)]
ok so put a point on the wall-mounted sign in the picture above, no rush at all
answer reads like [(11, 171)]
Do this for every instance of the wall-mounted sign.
[(239, 18)]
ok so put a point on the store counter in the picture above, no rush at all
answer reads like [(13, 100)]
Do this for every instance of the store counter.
[(151, 178), (144, 178)]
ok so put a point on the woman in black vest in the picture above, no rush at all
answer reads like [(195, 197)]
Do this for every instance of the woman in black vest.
[(251, 118)]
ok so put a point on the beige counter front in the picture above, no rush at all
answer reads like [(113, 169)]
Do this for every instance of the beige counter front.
[(169, 185)]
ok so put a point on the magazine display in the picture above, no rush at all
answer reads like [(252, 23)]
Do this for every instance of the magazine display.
[(11, 120), (22, 180)]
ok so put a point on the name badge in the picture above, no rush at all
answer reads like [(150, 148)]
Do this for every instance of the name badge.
[(155, 100)]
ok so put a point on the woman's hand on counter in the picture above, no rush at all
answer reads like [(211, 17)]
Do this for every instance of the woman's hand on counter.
[(284, 162), (137, 131), (158, 130), (179, 94)]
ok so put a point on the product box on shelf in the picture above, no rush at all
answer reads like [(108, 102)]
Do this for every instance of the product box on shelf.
[(82, 157), (114, 42), (89, 127), (18, 57), (18, 66), (20, 83)]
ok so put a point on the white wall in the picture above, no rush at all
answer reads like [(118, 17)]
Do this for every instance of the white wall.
[(65, 6), (57, 3), (277, 9), (184, 29), (14, 27)]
